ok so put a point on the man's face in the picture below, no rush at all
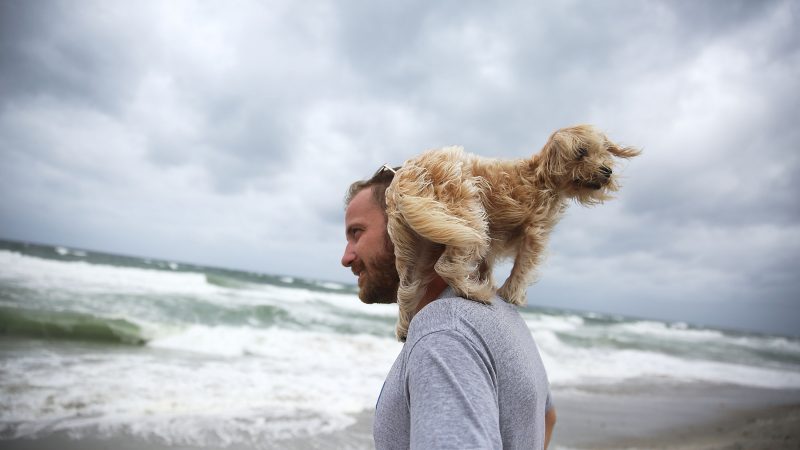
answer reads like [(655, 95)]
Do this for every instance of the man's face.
[(369, 252)]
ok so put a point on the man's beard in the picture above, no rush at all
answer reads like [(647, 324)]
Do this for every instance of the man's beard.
[(381, 279)]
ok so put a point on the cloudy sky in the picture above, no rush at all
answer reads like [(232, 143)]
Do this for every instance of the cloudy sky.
[(225, 133)]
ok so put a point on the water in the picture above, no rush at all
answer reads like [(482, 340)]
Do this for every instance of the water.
[(93, 343)]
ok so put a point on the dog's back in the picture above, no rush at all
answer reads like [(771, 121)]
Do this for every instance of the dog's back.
[(483, 209)]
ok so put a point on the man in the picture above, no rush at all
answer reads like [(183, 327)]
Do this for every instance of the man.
[(469, 375)]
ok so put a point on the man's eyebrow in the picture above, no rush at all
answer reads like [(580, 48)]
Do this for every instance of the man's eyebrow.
[(351, 229)]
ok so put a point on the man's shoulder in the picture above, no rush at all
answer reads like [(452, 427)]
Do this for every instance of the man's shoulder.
[(438, 316), (460, 316)]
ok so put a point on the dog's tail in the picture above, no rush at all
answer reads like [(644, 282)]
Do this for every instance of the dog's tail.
[(447, 212), (431, 220)]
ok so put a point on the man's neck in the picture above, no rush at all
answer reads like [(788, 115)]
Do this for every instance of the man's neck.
[(434, 290)]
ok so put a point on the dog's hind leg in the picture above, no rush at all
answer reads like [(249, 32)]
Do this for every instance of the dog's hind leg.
[(531, 250), (463, 265), (455, 224), (463, 270)]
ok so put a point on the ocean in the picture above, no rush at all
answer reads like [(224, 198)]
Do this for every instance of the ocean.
[(95, 344)]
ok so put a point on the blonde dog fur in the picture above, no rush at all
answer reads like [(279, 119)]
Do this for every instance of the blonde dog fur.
[(455, 214)]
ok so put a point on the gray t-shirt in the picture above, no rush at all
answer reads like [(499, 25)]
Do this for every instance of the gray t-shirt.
[(469, 376)]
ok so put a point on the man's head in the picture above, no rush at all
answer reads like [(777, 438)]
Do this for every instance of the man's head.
[(369, 251)]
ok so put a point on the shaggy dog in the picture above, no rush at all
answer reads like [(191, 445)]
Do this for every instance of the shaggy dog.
[(456, 213)]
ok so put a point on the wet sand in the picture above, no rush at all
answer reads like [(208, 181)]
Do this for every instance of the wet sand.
[(774, 429), (664, 416)]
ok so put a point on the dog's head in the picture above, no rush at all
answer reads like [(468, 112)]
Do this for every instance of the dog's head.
[(580, 163)]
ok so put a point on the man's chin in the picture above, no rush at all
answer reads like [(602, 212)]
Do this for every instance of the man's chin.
[(370, 297), (379, 283)]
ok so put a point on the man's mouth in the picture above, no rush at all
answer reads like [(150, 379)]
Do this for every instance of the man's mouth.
[(358, 274)]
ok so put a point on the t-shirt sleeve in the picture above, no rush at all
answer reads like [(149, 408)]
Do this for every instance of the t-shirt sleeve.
[(452, 395)]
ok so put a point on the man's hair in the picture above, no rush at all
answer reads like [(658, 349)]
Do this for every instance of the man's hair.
[(378, 183)]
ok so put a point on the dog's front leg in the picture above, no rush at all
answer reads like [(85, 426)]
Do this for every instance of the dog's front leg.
[(530, 252)]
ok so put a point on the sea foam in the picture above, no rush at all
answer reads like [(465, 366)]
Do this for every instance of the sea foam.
[(229, 357)]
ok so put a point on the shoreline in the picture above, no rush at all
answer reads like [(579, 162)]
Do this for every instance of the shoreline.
[(357, 436)]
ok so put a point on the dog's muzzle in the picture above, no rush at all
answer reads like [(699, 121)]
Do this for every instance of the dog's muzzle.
[(602, 178)]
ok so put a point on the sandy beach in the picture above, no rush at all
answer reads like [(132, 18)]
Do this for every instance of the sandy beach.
[(686, 416), (656, 416), (776, 428)]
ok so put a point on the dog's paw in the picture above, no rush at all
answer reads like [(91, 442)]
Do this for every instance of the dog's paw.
[(479, 292), (513, 296), (484, 293)]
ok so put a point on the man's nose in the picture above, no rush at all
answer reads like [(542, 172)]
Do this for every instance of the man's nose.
[(348, 257)]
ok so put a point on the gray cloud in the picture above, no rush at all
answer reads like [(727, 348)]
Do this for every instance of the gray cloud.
[(227, 135), (52, 49)]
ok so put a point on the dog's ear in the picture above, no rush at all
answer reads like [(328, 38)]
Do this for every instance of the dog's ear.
[(557, 152), (623, 152), (552, 163)]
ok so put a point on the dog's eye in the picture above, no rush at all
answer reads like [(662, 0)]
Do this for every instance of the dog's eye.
[(582, 152)]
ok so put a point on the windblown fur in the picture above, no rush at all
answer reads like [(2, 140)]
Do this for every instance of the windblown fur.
[(456, 214)]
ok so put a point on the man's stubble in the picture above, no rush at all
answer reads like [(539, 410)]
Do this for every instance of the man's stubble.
[(382, 280)]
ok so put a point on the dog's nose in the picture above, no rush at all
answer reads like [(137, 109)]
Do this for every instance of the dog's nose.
[(606, 171)]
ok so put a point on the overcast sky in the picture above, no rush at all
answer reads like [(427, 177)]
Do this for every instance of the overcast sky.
[(225, 133)]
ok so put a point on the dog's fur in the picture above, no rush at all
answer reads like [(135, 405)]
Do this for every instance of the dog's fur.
[(456, 213)]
